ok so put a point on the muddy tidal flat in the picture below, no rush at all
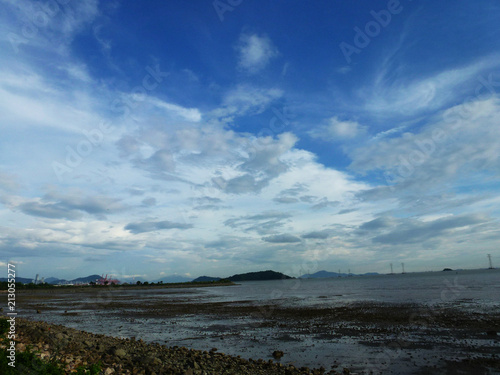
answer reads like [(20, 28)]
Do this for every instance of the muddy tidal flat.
[(327, 332)]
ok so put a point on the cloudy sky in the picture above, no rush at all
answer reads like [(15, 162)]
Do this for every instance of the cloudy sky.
[(217, 137)]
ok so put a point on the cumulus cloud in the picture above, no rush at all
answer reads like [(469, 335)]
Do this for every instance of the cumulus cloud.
[(9, 182), (161, 161), (459, 142), (263, 164), (338, 130), (378, 223), (282, 238), (245, 100), (417, 231), (267, 154), (49, 210), (320, 235), (285, 200), (188, 114), (149, 201), (263, 223), (207, 203), (255, 52), (71, 205), (244, 184), (206, 200), (150, 226), (323, 203)]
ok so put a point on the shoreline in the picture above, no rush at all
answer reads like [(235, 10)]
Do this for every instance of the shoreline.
[(74, 348), (388, 338), (190, 284)]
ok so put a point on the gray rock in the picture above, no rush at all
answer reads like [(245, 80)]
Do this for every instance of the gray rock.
[(120, 353), (278, 354)]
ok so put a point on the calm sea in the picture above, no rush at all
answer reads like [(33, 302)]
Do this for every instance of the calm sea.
[(481, 287)]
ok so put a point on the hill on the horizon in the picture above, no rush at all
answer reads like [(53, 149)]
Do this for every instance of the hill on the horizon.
[(250, 276), (206, 278), (261, 275), (54, 280), (86, 279), (327, 274), (174, 279)]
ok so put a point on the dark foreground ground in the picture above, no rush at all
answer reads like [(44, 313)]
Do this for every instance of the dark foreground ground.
[(360, 338), (73, 348)]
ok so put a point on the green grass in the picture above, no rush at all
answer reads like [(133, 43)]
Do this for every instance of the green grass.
[(28, 363), (94, 369)]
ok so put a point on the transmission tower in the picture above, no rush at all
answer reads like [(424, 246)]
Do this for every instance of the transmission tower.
[(491, 264)]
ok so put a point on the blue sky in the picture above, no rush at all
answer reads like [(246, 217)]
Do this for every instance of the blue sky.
[(217, 137)]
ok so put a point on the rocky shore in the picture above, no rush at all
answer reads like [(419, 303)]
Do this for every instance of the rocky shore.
[(73, 348)]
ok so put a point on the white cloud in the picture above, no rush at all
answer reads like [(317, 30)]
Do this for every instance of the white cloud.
[(245, 100), (29, 100), (388, 96), (460, 142), (281, 238), (188, 114), (338, 130), (9, 182), (255, 52), (344, 69), (78, 72), (171, 184), (57, 24)]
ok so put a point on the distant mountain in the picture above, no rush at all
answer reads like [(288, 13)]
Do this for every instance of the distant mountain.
[(87, 279), (206, 278), (54, 280), (326, 274), (132, 280), (321, 274), (174, 279), (257, 276)]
